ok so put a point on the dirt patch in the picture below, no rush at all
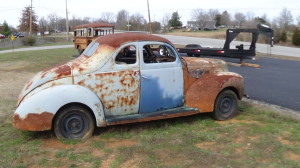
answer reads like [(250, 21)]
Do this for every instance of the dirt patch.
[(56, 144), (292, 156), (284, 139), (14, 66), (236, 121), (108, 162), (11, 81), (116, 143), (206, 145), (134, 162)]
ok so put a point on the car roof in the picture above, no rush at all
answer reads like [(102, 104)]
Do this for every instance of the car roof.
[(93, 25), (116, 40)]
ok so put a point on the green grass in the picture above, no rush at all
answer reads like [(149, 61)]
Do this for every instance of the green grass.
[(33, 61), (47, 44), (257, 137)]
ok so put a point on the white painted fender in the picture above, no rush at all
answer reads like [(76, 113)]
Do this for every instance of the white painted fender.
[(53, 98)]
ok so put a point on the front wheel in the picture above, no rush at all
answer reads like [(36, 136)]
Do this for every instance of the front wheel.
[(225, 105), (74, 122)]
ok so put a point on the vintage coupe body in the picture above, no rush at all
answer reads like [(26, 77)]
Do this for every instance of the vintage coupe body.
[(125, 78)]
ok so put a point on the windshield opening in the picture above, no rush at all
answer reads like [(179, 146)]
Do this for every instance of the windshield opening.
[(89, 51)]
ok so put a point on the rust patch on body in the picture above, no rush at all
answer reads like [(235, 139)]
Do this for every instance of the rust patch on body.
[(118, 91), (209, 86), (28, 85), (34, 122), (61, 70), (203, 81)]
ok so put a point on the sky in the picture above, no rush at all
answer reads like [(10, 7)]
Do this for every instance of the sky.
[(10, 10)]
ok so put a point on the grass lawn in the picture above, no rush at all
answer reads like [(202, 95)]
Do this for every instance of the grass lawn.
[(258, 137)]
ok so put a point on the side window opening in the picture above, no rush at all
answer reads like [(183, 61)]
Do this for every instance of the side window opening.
[(127, 55), (158, 54)]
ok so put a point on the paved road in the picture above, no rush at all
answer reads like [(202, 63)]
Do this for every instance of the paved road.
[(277, 81), (262, 48)]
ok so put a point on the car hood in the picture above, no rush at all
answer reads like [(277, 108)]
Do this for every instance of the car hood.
[(199, 66), (50, 74)]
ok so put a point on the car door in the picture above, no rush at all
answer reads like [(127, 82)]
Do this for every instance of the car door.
[(161, 78), (117, 82)]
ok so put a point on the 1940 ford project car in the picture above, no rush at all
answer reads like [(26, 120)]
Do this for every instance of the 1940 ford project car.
[(125, 78)]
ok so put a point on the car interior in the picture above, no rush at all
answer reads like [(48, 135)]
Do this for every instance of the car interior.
[(151, 54)]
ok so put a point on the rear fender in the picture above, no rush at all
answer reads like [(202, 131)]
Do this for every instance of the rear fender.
[(36, 112), (204, 91)]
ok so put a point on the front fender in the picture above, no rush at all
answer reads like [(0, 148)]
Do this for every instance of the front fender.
[(204, 91), (36, 112)]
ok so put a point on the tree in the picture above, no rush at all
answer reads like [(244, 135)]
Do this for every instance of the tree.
[(5, 29), (296, 37), (250, 16), (225, 18), (107, 17), (122, 20), (201, 17), (175, 20), (218, 20), (137, 22), (240, 18), (25, 20), (298, 20), (53, 21), (155, 26), (43, 25), (285, 19)]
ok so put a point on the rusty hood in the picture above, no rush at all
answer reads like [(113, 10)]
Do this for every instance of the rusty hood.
[(79, 66), (50, 74), (198, 66)]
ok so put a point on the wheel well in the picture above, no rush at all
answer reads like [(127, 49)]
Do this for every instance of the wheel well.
[(234, 90), (71, 104)]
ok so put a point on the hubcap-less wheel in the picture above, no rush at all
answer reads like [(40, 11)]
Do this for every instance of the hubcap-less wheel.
[(225, 105), (74, 122)]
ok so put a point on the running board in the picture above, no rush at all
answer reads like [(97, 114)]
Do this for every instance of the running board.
[(171, 113)]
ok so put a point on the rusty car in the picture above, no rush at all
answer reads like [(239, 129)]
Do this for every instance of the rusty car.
[(126, 78)]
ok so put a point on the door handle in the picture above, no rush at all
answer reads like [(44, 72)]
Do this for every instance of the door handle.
[(145, 77)]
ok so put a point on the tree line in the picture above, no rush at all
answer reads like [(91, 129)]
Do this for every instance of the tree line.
[(282, 25)]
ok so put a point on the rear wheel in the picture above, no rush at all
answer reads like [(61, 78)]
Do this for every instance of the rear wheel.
[(74, 122), (80, 51), (225, 105)]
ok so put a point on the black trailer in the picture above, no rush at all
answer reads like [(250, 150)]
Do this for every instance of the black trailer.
[(239, 52)]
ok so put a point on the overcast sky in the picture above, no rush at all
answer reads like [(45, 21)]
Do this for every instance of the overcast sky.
[(10, 10)]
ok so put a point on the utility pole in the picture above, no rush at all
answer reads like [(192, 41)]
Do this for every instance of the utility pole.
[(67, 21), (150, 27), (30, 20)]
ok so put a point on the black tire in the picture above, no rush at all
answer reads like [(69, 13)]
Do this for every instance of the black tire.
[(74, 122), (225, 105), (80, 51), (189, 54)]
